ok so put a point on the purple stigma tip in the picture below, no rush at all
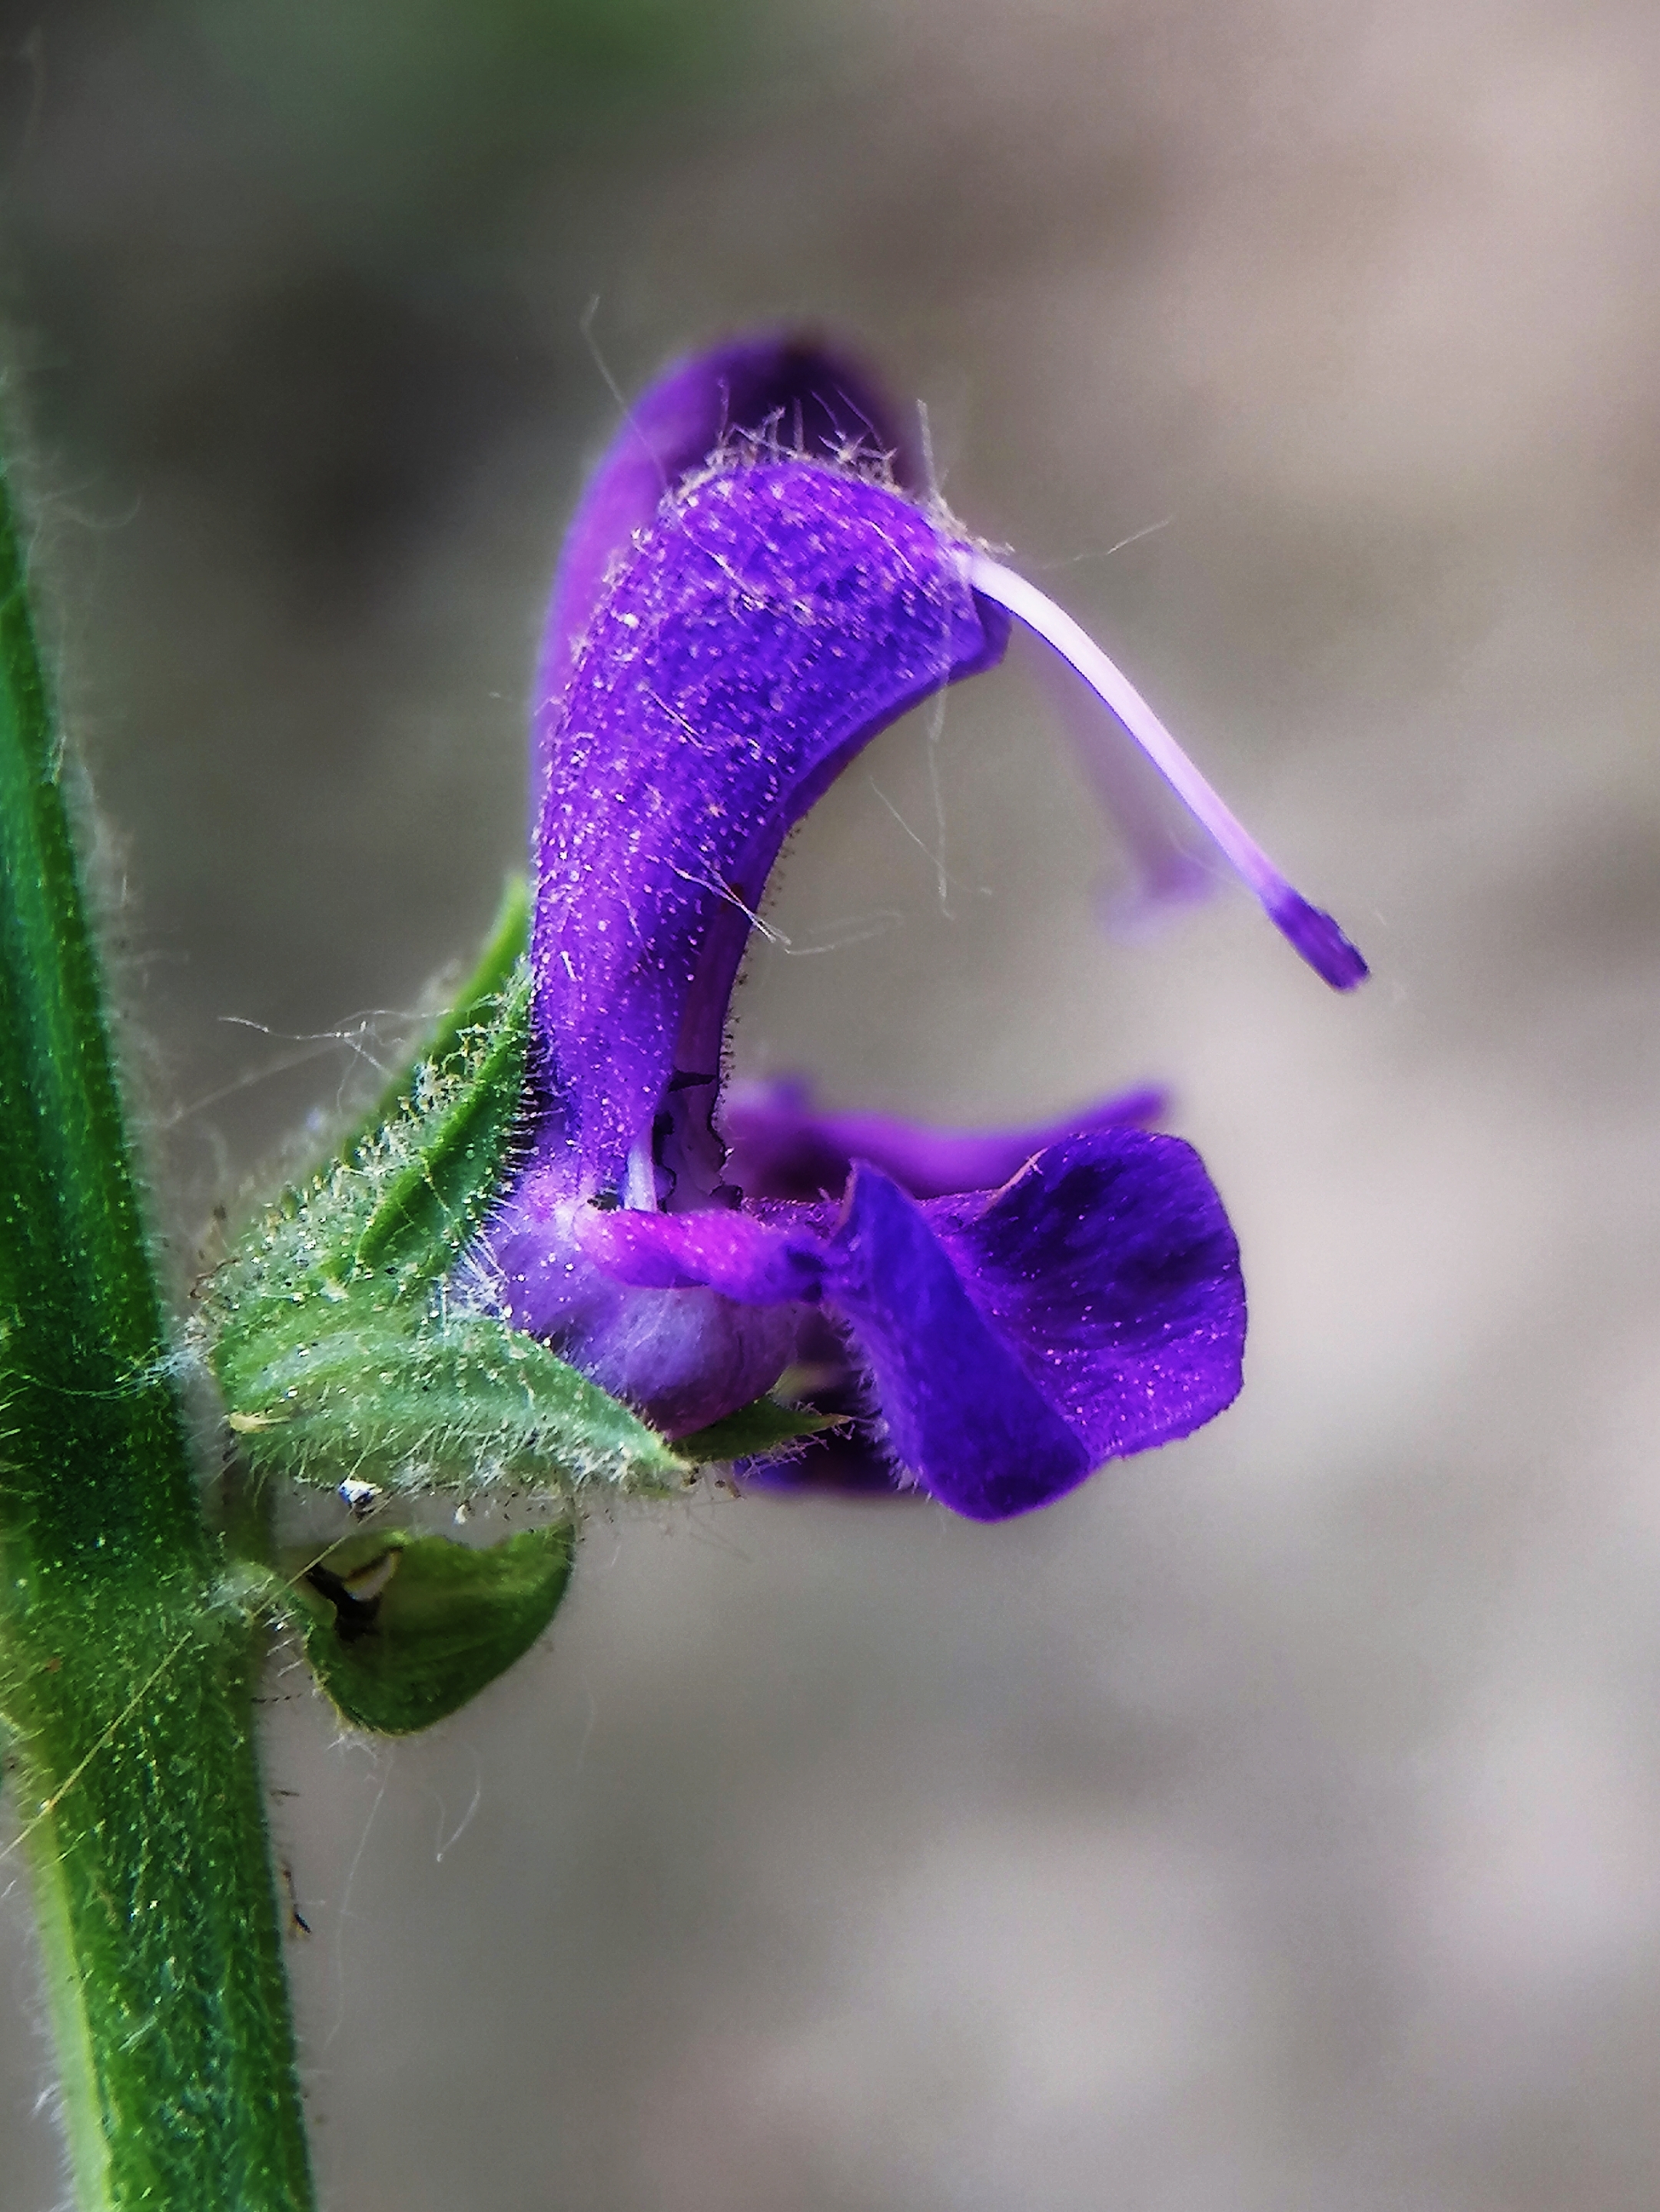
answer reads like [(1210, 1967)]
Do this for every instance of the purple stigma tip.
[(1319, 940)]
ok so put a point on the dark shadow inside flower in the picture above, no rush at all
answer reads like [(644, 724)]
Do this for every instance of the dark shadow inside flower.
[(749, 597)]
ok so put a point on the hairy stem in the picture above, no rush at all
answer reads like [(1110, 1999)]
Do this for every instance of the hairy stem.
[(125, 1666), (143, 1827)]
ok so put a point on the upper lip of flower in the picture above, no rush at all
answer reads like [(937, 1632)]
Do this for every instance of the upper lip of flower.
[(773, 616), (748, 597)]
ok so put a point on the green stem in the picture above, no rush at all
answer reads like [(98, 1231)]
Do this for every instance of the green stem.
[(126, 1663), (140, 1792)]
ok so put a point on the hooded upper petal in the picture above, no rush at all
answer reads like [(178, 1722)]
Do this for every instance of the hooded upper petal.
[(771, 620), (782, 388)]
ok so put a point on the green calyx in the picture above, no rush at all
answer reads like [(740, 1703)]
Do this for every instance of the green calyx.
[(343, 1364), (329, 1329)]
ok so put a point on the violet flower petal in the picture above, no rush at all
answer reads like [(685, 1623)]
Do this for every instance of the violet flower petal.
[(682, 1359), (1014, 1339), (770, 623), (805, 397), (1107, 1271), (732, 1253), (732, 622), (962, 1414), (1111, 1267), (779, 1148)]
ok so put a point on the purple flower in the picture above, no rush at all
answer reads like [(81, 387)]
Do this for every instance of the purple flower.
[(750, 592)]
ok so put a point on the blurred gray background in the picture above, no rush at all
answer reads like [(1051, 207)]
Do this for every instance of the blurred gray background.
[(1274, 1825)]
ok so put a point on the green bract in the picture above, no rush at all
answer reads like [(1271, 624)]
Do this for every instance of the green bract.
[(402, 1630)]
